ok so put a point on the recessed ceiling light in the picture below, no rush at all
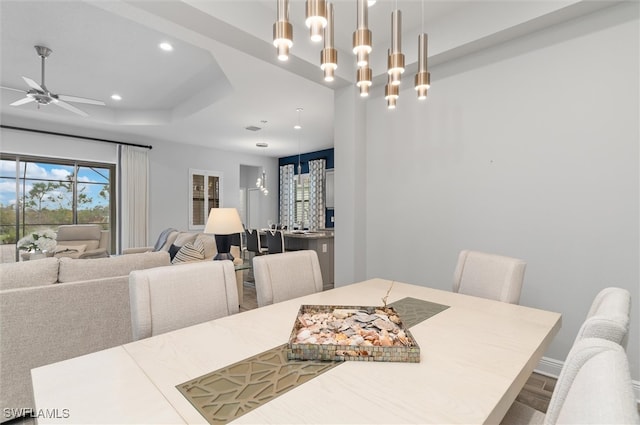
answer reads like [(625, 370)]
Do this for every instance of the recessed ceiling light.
[(116, 96), (262, 144), (166, 47)]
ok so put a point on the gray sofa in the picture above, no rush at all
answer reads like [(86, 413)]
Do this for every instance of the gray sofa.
[(54, 309)]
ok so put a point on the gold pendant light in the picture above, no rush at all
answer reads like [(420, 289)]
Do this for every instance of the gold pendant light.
[(395, 61), (316, 12), (423, 77), (364, 80), (329, 55), (391, 93), (283, 31), (362, 35)]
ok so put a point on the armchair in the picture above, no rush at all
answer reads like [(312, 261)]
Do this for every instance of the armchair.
[(82, 241)]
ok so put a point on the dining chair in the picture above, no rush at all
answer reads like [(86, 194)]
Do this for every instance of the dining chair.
[(280, 277), (173, 297), (608, 316), (254, 241), (594, 387), (275, 241), (490, 276)]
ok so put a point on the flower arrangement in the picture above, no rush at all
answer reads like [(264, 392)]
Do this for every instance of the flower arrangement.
[(40, 240)]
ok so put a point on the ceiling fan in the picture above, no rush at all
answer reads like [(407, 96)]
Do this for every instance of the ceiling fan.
[(40, 94)]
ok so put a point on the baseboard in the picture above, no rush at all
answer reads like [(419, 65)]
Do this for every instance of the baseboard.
[(552, 367)]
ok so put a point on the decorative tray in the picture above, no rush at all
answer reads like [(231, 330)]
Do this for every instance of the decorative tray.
[(337, 333)]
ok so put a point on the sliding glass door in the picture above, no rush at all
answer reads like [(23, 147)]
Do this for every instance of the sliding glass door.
[(37, 193)]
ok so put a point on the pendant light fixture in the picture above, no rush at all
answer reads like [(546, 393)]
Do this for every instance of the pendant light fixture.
[(364, 80), (283, 31), (316, 12), (423, 77), (261, 183), (362, 34), (298, 127), (391, 93), (395, 61), (329, 55)]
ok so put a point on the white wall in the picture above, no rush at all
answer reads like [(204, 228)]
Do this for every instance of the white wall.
[(529, 149), (49, 146), (170, 163), (169, 171)]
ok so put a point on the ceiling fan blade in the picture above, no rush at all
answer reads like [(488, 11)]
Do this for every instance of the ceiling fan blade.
[(11, 88), (32, 84), (80, 100), (22, 101), (68, 107)]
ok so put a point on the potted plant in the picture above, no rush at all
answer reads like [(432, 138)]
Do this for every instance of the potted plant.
[(37, 243)]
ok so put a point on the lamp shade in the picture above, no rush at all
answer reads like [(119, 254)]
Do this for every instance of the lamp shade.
[(224, 221)]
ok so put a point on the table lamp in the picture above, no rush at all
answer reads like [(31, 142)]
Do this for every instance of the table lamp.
[(224, 223)]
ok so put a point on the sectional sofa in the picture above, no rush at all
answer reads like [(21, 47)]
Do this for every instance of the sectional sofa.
[(54, 309)]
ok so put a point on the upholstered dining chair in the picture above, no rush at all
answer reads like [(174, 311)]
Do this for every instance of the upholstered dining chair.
[(594, 387), (608, 316), (254, 242), (275, 241), (490, 276), (173, 297), (280, 277)]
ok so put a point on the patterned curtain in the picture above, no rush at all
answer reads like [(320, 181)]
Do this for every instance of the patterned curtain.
[(287, 195), (316, 194)]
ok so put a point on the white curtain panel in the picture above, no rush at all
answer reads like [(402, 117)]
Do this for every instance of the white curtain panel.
[(134, 184), (316, 194), (287, 195)]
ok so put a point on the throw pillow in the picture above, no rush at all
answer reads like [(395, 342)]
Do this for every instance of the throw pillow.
[(189, 252), (173, 250), (71, 251)]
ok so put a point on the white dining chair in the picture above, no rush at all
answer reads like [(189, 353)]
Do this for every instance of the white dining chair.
[(280, 277), (608, 316), (594, 387), (173, 297), (489, 276)]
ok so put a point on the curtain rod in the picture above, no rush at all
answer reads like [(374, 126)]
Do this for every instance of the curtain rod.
[(74, 136)]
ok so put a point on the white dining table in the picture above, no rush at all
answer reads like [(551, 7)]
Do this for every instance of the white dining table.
[(475, 357)]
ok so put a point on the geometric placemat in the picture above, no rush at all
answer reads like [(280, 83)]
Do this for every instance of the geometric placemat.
[(234, 390), (413, 311)]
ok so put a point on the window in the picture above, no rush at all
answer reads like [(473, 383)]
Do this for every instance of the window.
[(205, 193), (41, 192), (301, 215)]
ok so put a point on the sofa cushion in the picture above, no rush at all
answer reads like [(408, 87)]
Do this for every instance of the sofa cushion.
[(28, 273), (173, 250), (209, 243), (72, 270), (71, 251), (184, 238), (188, 253)]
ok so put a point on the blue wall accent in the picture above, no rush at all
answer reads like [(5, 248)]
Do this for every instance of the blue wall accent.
[(326, 154)]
